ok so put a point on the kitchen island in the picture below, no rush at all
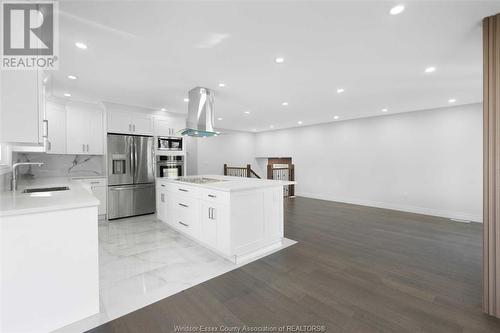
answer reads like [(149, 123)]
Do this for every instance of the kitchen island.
[(238, 218)]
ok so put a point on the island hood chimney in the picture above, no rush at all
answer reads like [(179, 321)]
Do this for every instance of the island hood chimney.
[(200, 119)]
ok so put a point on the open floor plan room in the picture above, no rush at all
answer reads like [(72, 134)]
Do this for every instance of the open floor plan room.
[(354, 269), (249, 166)]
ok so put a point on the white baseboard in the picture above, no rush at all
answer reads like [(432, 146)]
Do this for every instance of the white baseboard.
[(405, 208)]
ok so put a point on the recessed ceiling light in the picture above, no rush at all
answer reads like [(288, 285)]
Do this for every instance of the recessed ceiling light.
[(222, 85), (430, 69), (219, 118), (272, 126), (384, 110), (163, 109), (72, 77), (67, 94), (246, 112), (284, 103), (397, 10), (81, 45), (340, 90), (336, 117), (299, 122), (255, 130), (452, 100), (279, 60), (186, 100)]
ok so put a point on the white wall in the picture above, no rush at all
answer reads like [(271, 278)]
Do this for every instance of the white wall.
[(427, 162), (233, 148)]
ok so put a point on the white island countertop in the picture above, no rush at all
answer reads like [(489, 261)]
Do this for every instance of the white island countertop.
[(229, 183), (16, 203)]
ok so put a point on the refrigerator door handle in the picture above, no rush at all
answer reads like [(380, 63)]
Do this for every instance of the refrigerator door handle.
[(131, 157)]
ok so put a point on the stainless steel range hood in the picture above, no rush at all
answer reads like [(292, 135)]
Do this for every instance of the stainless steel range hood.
[(200, 120)]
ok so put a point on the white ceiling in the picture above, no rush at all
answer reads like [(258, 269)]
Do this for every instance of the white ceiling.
[(151, 53)]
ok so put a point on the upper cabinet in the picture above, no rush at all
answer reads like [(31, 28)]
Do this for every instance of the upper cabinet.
[(22, 108), (84, 129), (125, 122), (56, 117), (169, 126)]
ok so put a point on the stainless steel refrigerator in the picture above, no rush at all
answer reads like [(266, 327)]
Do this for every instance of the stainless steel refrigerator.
[(131, 181)]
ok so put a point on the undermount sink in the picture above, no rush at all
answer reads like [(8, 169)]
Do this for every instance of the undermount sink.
[(46, 189)]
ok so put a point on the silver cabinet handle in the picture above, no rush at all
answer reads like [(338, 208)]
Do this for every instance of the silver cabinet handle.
[(162, 185), (83, 147), (212, 196), (49, 145), (184, 224), (183, 205), (87, 148), (134, 127), (45, 128), (183, 190), (162, 197)]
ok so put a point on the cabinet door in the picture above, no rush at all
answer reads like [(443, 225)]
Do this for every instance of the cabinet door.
[(161, 207), (119, 122), (95, 134), (56, 117), (215, 232), (77, 128), (177, 124), (20, 104), (162, 127), (142, 124), (100, 193), (208, 216)]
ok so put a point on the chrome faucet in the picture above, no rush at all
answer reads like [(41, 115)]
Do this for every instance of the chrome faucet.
[(14, 172)]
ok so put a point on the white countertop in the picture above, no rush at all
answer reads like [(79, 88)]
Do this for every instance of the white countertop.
[(16, 203), (230, 183)]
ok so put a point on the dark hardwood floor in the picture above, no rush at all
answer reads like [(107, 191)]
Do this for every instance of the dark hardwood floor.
[(355, 269)]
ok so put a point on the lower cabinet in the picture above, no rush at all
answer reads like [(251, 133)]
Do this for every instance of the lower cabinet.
[(214, 225), (235, 225), (99, 189), (161, 202)]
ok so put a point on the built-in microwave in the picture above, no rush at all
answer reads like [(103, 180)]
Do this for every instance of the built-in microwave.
[(169, 166), (169, 143)]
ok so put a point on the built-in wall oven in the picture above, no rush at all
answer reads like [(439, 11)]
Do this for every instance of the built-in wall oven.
[(169, 166), (167, 143)]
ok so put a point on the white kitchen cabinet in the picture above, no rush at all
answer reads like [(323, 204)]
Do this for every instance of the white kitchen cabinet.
[(238, 225), (84, 128), (56, 117), (169, 126), (100, 193), (99, 188), (161, 202), (22, 107), (119, 122), (214, 225), (124, 122), (142, 124)]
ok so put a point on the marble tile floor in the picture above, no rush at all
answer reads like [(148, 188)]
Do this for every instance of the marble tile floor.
[(141, 261)]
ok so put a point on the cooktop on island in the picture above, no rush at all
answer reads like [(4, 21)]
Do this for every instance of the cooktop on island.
[(199, 180)]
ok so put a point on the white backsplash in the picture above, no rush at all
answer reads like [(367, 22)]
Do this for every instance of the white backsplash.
[(60, 165)]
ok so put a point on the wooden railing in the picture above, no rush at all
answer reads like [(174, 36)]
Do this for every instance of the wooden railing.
[(283, 173), (240, 171)]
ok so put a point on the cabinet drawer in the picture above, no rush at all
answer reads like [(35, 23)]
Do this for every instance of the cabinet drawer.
[(214, 196), (183, 190), (183, 221)]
